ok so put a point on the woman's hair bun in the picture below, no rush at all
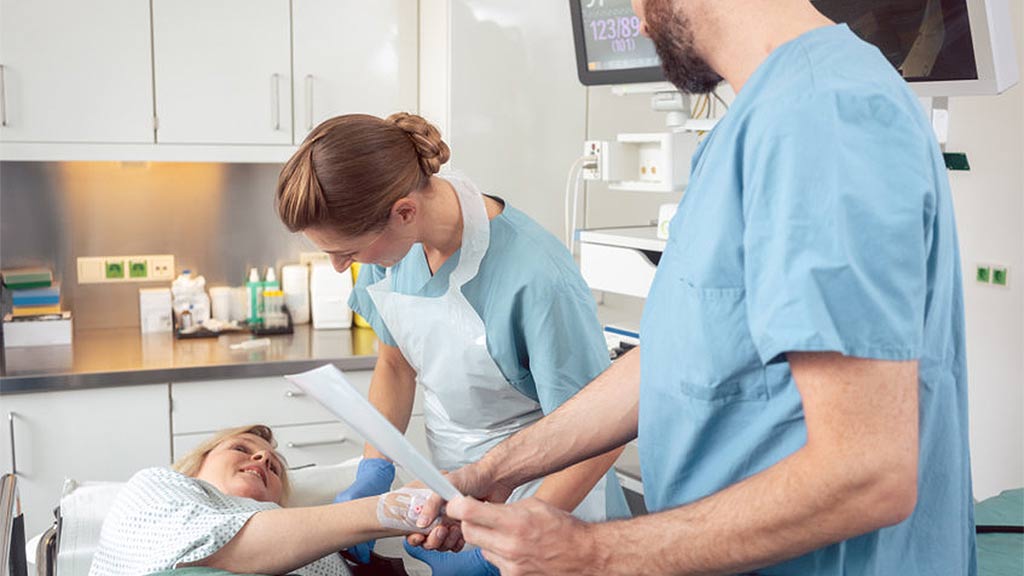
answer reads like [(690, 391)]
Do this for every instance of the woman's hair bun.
[(433, 152)]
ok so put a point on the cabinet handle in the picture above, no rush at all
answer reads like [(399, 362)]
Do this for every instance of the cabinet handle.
[(309, 101), (3, 95), (294, 394), (14, 460), (341, 440), (275, 100)]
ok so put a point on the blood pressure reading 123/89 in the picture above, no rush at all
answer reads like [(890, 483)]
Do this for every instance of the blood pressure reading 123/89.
[(613, 39)]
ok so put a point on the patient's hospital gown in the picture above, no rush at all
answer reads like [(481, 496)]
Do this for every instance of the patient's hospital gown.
[(162, 519)]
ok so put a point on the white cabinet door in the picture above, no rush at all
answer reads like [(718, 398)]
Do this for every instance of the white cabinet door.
[(223, 71), (75, 71), (101, 434), (353, 56)]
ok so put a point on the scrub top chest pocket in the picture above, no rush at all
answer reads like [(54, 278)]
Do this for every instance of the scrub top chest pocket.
[(720, 364), (700, 309)]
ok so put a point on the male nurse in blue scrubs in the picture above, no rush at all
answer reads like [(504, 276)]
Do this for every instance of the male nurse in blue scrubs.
[(800, 391)]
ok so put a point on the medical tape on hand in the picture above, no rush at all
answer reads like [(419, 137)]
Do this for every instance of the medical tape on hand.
[(400, 509)]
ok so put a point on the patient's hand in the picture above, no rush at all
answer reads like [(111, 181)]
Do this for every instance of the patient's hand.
[(472, 480), (442, 530), (401, 509)]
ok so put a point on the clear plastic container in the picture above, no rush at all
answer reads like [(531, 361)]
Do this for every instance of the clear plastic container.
[(273, 309)]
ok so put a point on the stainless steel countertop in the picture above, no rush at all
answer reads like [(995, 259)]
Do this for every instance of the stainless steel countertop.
[(123, 356)]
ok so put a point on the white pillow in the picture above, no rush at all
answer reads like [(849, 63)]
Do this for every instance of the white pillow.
[(317, 485)]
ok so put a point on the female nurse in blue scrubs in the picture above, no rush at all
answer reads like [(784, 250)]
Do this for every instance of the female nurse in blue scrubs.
[(472, 301)]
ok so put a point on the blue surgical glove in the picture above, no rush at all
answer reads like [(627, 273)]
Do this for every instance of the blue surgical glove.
[(373, 478), (465, 563)]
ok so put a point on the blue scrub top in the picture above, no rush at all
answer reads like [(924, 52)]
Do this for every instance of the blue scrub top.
[(818, 218), (539, 314)]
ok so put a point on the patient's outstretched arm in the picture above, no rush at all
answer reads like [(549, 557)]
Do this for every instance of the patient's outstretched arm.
[(281, 540)]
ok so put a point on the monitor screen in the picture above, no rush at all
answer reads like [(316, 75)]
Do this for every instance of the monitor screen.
[(609, 46), (925, 40)]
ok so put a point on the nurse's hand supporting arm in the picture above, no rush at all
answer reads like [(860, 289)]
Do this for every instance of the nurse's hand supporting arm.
[(601, 417), (857, 473)]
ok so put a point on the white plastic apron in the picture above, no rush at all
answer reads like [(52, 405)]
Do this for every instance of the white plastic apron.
[(469, 405)]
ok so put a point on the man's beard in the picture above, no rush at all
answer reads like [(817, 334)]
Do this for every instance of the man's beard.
[(673, 39)]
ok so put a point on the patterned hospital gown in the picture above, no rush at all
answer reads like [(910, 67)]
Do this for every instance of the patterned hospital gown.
[(161, 519)]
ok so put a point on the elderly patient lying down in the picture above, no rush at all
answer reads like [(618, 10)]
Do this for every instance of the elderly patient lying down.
[(221, 507)]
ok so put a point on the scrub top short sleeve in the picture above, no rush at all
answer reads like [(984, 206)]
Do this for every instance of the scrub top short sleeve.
[(835, 238), (563, 341), (361, 303)]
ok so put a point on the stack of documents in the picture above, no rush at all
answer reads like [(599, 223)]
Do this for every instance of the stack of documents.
[(36, 301), (36, 318)]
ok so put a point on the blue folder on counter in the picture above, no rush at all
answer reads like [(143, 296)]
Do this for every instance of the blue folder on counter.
[(47, 296)]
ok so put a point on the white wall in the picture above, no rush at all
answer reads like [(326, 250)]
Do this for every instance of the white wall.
[(505, 91), (990, 219)]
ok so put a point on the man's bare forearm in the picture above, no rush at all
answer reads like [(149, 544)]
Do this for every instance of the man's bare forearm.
[(856, 473), (599, 418), (795, 507)]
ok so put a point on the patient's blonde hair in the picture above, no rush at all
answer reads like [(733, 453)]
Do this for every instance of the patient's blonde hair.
[(190, 463)]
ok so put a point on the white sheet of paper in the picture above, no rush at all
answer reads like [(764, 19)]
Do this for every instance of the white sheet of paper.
[(330, 387)]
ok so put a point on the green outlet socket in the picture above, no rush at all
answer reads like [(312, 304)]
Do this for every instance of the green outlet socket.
[(114, 269), (137, 269), (983, 275), (999, 276)]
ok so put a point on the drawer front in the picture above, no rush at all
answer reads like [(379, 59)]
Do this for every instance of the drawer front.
[(616, 269), (212, 405), (320, 444)]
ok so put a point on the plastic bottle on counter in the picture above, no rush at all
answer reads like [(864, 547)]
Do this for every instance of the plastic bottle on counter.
[(188, 292), (270, 280), (273, 309), (185, 319), (220, 303), (255, 288), (295, 284)]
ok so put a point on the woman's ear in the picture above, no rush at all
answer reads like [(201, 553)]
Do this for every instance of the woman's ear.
[(404, 211)]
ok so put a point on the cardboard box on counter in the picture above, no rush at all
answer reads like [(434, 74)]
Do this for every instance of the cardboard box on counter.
[(51, 330)]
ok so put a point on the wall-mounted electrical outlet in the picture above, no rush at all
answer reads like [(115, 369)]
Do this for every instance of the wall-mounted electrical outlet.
[(994, 274), (592, 169), (145, 268), (1000, 276), (113, 269), (983, 274)]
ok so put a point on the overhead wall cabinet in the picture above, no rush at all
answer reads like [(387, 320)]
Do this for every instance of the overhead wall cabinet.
[(223, 71), (202, 80), (75, 71), (353, 56)]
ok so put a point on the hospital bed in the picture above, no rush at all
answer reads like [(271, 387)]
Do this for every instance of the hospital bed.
[(66, 549)]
